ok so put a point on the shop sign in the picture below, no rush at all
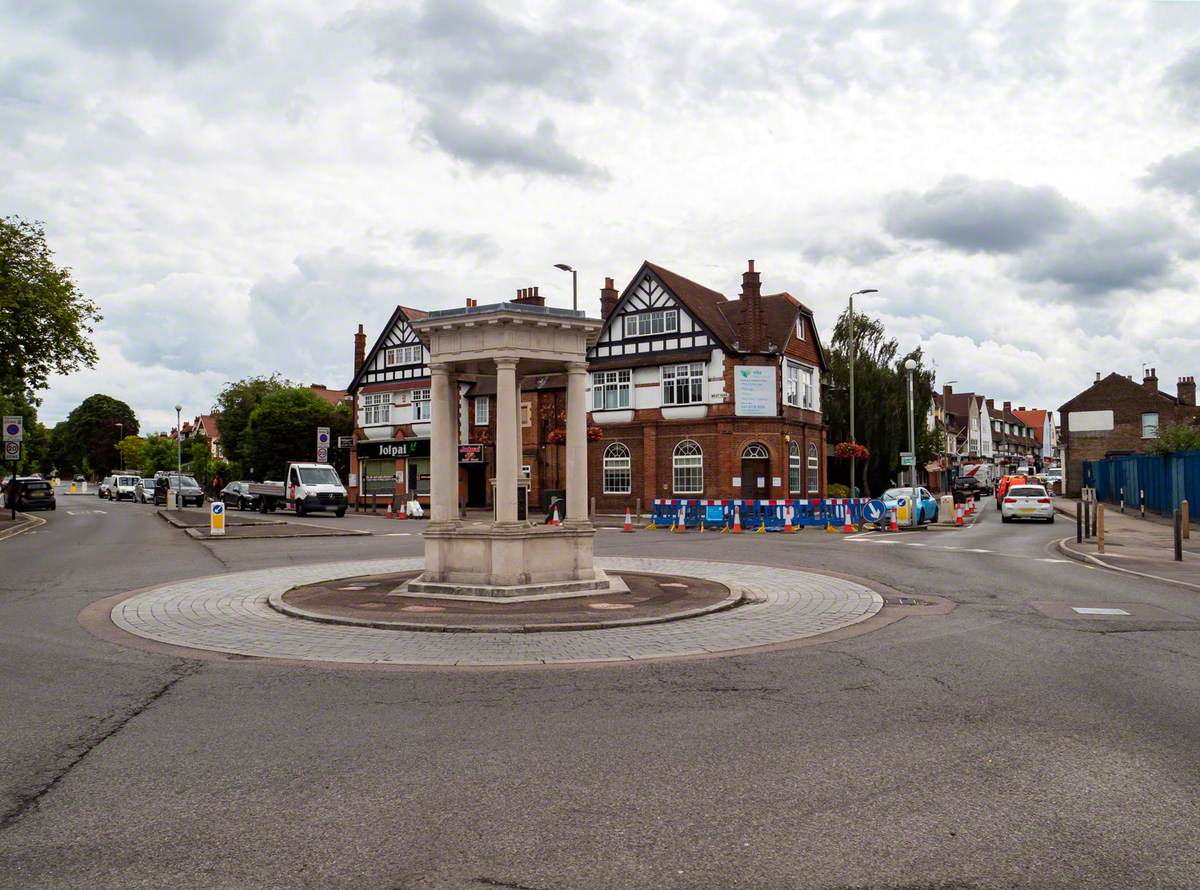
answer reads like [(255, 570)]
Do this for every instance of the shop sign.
[(391, 448), (470, 454), (754, 390)]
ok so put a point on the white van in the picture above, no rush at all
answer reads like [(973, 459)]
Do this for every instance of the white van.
[(308, 488), (124, 488)]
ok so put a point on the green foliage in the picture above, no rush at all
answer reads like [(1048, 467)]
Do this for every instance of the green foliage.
[(880, 398), (283, 428), (36, 449), (236, 403), (1177, 437), (92, 432), (158, 453), (837, 490), (45, 322), (200, 460), (131, 452)]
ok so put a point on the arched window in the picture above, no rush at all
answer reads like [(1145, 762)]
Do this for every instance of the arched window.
[(755, 451), (794, 467), (814, 469), (687, 468), (617, 476)]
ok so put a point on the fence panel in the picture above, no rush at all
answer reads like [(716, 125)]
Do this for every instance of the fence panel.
[(1162, 480)]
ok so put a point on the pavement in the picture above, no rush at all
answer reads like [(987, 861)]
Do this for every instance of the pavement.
[(1014, 741), (1135, 546)]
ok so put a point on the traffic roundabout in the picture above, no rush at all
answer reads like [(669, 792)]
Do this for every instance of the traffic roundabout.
[(345, 613)]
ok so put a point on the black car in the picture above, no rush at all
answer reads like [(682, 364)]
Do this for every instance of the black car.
[(25, 493), (187, 491), (237, 494)]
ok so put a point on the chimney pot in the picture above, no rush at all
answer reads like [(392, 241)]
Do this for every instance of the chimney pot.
[(608, 282), (751, 265), (1097, 376)]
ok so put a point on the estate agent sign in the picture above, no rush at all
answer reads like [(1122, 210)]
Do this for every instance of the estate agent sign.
[(754, 390)]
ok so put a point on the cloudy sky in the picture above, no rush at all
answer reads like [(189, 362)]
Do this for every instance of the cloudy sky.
[(239, 184)]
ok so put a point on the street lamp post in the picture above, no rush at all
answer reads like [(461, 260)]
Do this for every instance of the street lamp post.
[(910, 365), (178, 451), (574, 283), (853, 348), (120, 436)]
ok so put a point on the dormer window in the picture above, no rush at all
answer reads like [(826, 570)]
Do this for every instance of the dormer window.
[(402, 355), (645, 324)]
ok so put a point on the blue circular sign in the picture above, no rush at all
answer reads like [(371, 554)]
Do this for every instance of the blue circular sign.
[(218, 508), (12, 429), (873, 511)]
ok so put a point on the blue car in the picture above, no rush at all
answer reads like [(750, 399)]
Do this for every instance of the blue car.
[(927, 505)]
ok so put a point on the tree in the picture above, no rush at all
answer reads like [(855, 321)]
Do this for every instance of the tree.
[(1177, 437), (880, 397), (131, 451), (92, 431), (158, 453), (283, 428), (200, 460), (45, 322), (236, 403)]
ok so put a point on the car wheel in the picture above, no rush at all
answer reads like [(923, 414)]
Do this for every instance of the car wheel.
[(935, 516), (300, 511), (1005, 518), (340, 512), (1051, 519), (241, 503)]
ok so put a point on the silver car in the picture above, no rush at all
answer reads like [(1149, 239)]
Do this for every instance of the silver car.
[(1027, 502)]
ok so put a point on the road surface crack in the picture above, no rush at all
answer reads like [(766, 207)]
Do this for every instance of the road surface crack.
[(107, 727)]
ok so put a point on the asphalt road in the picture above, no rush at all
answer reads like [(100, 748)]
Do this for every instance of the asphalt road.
[(990, 747)]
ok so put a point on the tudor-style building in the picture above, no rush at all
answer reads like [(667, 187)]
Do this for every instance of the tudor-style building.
[(391, 410), (700, 396)]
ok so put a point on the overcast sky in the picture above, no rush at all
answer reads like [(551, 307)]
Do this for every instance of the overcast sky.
[(239, 184)]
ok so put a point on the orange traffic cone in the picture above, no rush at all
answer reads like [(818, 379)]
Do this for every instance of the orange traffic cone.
[(958, 514), (893, 526), (628, 521), (681, 525), (848, 526), (788, 528), (554, 515), (737, 521), (401, 511), (389, 512)]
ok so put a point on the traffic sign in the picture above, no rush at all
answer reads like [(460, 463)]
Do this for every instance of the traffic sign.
[(14, 428), (345, 441), (216, 519), (907, 459), (322, 436), (12, 450), (873, 511), (322, 454)]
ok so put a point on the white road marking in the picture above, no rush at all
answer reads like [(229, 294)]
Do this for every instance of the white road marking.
[(1048, 559), (1082, 610), (396, 535)]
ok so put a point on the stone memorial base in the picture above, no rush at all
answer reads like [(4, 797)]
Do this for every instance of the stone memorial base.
[(507, 561)]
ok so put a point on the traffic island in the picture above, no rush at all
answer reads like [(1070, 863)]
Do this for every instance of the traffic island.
[(380, 601), (196, 524)]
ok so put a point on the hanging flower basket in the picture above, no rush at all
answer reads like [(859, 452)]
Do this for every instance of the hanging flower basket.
[(847, 450)]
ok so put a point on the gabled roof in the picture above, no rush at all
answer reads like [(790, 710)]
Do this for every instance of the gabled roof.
[(409, 314), (1035, 418), (1125, 382), (703, 303), (959, 403)]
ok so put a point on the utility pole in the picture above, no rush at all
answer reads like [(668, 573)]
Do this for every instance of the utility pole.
[(910, 365)]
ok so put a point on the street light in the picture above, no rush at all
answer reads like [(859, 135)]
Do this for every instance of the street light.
[(574, 283), (178, 443), (120, 436), (910, 365), (853, 459)]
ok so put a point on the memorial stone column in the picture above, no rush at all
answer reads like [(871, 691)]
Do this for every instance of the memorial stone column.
[(443, 446), (577, 449), (508, 466)]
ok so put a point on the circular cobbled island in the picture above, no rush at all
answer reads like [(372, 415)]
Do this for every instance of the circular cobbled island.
[(363, 613)]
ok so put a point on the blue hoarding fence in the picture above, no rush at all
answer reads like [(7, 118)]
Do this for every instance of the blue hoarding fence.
[(770, 515), (1163, 481)]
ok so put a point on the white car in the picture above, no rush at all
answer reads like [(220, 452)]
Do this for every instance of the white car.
[(125, 488), (1027, 502)]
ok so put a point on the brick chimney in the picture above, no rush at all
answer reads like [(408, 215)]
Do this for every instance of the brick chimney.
[(529, 297), (608, 298), (471, 304), (1008, 407), (947, 391), (360, 349), (1186, 390), (1022, 408), (1150, 379), (752, 330)]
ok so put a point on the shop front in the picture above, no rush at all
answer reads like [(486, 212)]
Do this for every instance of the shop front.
[(392, 467)]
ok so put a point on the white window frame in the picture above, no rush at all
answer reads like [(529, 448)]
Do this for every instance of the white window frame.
[(799, 385), (795, 468), (1150, 431), (690, 375), (799, 327), (401, 356), (618, 469), (814, 468), (687, 466), (377, 409), (420, 405), (482, 411), (619, 382), (648, 324)]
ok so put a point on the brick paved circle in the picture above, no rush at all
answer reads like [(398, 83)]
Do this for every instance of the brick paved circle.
[(229, 613)]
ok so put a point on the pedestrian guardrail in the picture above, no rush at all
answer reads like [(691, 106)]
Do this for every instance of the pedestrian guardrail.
[(772, 515)]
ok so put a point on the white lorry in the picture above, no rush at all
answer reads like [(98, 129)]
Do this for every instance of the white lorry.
[(985, 475), (308, 488)]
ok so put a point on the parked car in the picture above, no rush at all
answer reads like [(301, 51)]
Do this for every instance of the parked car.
[(29, 493), (104, 489), (926, 504), (124, 488), (1027, 502), (143, 492), (79, 477), (187, 491), (238, 494)]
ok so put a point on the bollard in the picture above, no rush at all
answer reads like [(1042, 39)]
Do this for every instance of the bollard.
[(1087, 519), (1142, 501), (1178, 536), (1079, 522), (1122, 500), (1099, 528), (1186, 519), (639, 511)]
